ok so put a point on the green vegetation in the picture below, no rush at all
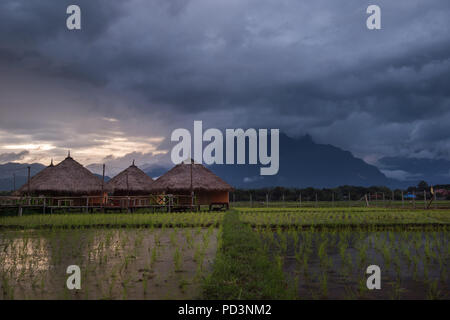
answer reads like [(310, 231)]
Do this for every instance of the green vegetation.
[(301, 217), (342, 204), (84, 220), (332, 264), (242, 269), (338, 194), (343, 217), (245, 253), (115, 263)]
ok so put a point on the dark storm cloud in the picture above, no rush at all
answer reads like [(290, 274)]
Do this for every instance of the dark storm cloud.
[(303, 66)]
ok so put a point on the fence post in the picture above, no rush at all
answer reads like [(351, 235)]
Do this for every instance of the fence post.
[(403, 201), (251, 201), (300, 199), (434, 204), (267, 200), (424, 199), (28, 181), (316, 199), (393, 200)]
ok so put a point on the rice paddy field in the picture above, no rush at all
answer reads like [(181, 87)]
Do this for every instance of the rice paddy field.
[(116, 263), (245, 253)]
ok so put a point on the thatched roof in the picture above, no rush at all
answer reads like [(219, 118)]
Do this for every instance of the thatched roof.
[(138, 182), (178, 179), (66, 178)]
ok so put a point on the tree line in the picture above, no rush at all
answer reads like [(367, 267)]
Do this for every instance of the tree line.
[(341, 193)]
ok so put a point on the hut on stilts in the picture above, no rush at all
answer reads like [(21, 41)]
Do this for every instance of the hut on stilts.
[(69, 180), (130, 182), (195, 185)]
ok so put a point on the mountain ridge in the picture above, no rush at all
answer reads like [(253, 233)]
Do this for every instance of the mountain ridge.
[(303, 163)]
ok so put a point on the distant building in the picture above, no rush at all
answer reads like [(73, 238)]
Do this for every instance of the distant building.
[(442, 192)]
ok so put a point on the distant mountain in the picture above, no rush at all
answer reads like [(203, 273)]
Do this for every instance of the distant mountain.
[(20, 170), (304, 163), (100, 176), (413, 170), (155, 171)]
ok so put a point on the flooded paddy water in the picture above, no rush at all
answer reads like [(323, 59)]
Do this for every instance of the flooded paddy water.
[(162, 259), (154, 263), (332, 264)]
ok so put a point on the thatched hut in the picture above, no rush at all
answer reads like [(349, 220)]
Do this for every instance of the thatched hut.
[(131, 181), (208, 188), (68, 178)]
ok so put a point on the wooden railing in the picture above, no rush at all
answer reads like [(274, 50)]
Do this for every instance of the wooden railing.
[(164, 200)]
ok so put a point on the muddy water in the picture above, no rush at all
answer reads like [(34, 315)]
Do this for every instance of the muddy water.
[(321, 265), (114, 263)]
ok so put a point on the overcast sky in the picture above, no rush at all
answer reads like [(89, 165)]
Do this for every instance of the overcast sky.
[(115, 90)]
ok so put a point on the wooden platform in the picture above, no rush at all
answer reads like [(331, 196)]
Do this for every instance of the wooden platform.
[(167, 203)]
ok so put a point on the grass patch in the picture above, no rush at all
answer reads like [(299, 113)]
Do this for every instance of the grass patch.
[(242, 269), (343, 217), (109, 220)]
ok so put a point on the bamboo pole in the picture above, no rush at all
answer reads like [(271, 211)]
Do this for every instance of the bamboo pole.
[(28, 181), (393, 198), (424, 199), (403, 200), (192, 187), (103, 188)]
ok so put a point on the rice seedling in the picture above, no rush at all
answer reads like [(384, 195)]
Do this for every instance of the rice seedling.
[(433, 293), (323, 284), (323, 243), (177, 258)]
